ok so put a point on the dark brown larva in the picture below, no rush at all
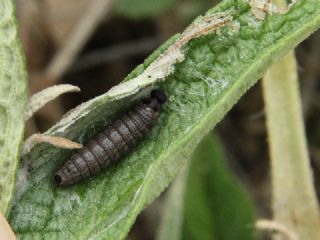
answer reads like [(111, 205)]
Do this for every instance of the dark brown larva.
[(113, 143)]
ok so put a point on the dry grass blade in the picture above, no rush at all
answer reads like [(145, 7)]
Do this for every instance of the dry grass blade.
[(115, 53), (54, 140), (78, 37), (41, 98)]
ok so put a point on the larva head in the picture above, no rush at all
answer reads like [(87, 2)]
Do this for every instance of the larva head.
[(61, 179), (159, 95), (157, 98), (57, 179)]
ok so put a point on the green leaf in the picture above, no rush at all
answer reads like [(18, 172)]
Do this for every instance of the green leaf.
[(216, 206), (216, 71), (12, 102), (142, 8), (206, 201)]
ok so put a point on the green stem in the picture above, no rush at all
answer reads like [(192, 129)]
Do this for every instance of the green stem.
[(294, 198)]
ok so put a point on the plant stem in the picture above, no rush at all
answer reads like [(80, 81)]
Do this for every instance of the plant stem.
[(294, 199), (171, 223)]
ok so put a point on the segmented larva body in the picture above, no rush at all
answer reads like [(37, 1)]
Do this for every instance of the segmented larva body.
[(113, 143)]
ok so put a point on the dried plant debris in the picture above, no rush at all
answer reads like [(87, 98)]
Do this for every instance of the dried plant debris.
[(41, 98), (277, 227), (261, 8), (60, 142)]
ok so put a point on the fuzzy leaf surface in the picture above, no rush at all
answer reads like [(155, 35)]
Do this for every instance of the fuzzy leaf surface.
[(12, 102), (217, 70)]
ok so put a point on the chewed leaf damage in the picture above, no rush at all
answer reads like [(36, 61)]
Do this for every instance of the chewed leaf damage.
[(261, 8)]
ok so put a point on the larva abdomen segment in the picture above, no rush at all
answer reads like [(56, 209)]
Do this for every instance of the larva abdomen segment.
[(113, 143)]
